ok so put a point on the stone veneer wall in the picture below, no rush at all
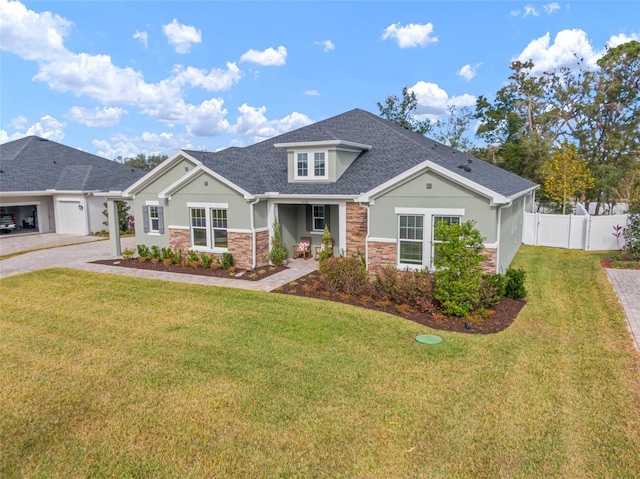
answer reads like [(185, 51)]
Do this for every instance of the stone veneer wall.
[(262, 248), (241, 247), (489, 263), (381, 254), (179, 239), (356, 228)]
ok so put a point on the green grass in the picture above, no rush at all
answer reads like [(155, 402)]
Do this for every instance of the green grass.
[(112, 376)]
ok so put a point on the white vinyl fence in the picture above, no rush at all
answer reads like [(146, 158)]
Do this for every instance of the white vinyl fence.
[(590, 233)]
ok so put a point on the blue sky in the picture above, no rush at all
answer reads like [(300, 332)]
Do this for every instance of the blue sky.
[(118, 78)]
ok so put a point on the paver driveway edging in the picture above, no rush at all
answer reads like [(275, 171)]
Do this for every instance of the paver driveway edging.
[(626, 284)]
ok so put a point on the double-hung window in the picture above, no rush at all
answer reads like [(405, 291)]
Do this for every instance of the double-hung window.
[(318, 217), (208, 227), (311, 165), (154, 219), (411, 238)]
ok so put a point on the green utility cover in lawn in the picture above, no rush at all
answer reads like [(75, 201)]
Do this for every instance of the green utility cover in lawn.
[(428, 339)]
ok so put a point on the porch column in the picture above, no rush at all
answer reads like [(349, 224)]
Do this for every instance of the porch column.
[(342, 226), (114, 228)]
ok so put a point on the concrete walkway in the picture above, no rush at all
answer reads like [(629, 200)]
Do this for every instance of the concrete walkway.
[(80, 256), (626, 283)]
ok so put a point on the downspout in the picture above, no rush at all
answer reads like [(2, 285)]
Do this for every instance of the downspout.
[(253, 233), (498, 230)]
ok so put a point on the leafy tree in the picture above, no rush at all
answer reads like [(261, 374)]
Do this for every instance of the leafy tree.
[(124, 219), (401, 111), (144, 162), (566, 175), (458, 276), (452, 130)]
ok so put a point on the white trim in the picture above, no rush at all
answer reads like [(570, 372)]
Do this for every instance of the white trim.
[(153, 233), (204, 249), (197, 172), (495, 198), (307, 199), (310, 165), (152, 203), (326, 143), (238, 230), (21, 203), (382, 240), (198, 204), (260, 230), (490, 245), (430, 211), (159, 171), (176, 227)]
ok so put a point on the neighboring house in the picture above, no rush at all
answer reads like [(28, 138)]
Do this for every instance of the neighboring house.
[(378, 186), (51, 188)]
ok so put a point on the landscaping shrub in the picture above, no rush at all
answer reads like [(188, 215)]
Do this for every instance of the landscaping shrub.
[(458, 270), (344, 274), (177, 256), (192, 258), (632, 236), (143, 251), (127, 253), (277, 254), (492, 289), (227, 261), (326, 251), (154, 253), (402, 287), (206, 260), (514, 287)]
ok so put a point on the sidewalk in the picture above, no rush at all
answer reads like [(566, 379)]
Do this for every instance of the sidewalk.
[(79, 256), (626, 284)]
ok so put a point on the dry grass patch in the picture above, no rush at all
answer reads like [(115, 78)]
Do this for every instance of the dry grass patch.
[(111, 376)]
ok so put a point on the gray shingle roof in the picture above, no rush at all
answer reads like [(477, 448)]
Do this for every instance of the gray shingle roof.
[(36, 164), (262, 167)]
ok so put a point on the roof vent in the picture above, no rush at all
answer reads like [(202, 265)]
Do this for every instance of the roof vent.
[(55, 162), (435, 145), (465, 168), (469, 160)]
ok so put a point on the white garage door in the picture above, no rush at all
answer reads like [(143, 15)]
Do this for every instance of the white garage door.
[(72, 218)]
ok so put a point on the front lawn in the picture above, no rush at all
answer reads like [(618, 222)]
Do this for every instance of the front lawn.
[(113, 376)]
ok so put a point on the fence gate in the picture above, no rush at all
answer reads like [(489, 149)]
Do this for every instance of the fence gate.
[(586, 232)]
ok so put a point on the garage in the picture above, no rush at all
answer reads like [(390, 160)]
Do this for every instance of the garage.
[(26, 214), (71, 217)]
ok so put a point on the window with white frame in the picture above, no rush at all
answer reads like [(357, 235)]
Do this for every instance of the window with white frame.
[(411, 239), (438, 240), (208, 227), (310, 165), (219, 228), (318, 221), (154, 219)]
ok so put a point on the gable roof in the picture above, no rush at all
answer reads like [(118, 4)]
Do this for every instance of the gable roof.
[(37, 164), (394, 151)]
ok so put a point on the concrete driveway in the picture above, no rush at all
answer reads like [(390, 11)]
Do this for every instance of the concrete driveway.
[(15, 242), (80, 256)]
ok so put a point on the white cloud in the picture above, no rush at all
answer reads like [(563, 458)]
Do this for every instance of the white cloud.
[(434, 101), (468, 72), (213, 80), (567, 47), (31, 35), (551, 7), (514, 13), (616, 40), (97, 117), (143, 37), (311, 93), (327, 45), (268, 57), (412, 35), (120, 145), (48, 127), (19, 122), (206, 119), (253, 122), (181, 36), (530, 10)]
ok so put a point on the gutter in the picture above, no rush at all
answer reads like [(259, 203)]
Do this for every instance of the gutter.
[(366, 238)]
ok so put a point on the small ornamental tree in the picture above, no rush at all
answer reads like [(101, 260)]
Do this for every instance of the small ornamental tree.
[(458, 276), (277, 255), (326, 251), (566, 175)]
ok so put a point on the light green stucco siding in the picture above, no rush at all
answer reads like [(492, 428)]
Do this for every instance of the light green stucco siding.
[(442, 194), (260, 214), (510, 233)]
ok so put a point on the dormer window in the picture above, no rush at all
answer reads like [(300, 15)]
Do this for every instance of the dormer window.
[(311, 165)]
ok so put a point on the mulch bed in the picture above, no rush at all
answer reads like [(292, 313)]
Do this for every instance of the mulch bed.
[(254, 275), (608, 263), (499, 319)]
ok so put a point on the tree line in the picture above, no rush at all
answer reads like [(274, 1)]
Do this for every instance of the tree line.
[(574, 131)]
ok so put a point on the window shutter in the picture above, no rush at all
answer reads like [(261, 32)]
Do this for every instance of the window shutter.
[(309, 218), (161, 220), (145, 218), (327, 216)]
